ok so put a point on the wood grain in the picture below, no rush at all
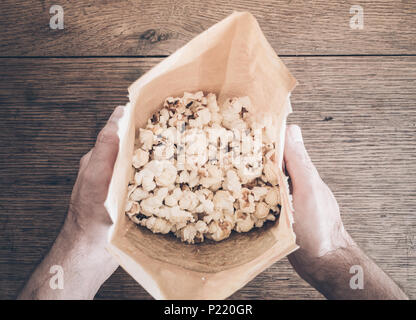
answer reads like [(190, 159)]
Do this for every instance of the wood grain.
[(149, 27), (358, 119)]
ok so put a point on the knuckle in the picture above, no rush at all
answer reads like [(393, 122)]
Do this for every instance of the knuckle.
[(108, 135), (83, 160)]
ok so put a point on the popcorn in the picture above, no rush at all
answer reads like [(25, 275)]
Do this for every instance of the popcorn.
[(178, 216), (244, 222), (172, 199), (132, 208), (214, 178), (168, 175), (223, 202), (145, 179), (273, 197), (163, 152), (219, 230), (146, 139), (157, 225), (246, 201), (140, 158), (270, 172), (139, 194), (259, 193), (201, 226), (188, 233), (201, 170), (262, 210), (151, 205), (184, 177), (232, 183), (188, 201)]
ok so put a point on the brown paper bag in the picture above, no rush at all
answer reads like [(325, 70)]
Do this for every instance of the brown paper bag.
[(231, 59)]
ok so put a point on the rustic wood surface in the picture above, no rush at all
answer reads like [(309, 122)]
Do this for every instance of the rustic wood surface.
[(355, 103), (357, 115), (158, 27)]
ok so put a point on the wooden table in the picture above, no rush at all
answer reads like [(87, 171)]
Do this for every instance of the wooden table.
[(356, 104)]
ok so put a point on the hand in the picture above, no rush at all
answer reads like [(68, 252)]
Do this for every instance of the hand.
[(327, 252), (318, 225), (87, 217), (80, 248), (86, 210)]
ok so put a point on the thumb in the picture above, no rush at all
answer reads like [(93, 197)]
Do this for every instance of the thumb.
[(104, 154), (301, 170)]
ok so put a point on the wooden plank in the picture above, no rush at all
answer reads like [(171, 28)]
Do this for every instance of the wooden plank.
[(358, 118), (149, 27)]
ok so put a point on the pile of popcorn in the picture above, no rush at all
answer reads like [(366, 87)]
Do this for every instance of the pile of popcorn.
[(201, 171)]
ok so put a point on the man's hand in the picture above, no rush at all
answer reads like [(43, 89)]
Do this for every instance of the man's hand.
[(318, 223), (86, 210), (327, 252), (80, 247)]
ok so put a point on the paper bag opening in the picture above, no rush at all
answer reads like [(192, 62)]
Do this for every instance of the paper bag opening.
[(231, 59)]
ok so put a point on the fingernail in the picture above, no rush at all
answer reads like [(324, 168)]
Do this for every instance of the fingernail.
[(296, 134)]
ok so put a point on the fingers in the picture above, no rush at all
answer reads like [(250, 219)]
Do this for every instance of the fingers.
[(104, 153), (298, 164), (84, 160)]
